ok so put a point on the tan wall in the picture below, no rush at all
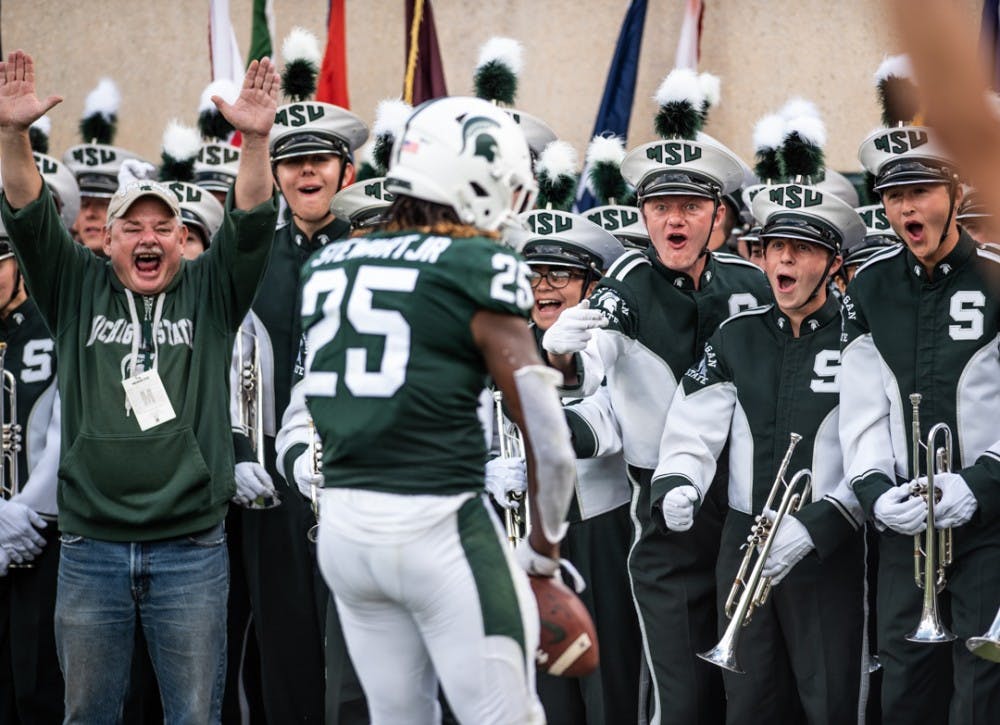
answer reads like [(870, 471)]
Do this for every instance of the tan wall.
[(764, 51)]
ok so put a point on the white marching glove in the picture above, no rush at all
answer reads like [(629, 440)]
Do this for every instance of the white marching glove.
[(535, 564), (305, 479), (678, 507), (18, 531), (791, 543), (957, 503), (571, 332), (900, 511), (505, 478), (252, 483)]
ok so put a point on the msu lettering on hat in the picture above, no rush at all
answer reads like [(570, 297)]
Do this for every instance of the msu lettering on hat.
[(625, 222), (796, 211), (62, 183), (310, 127), (905, 155), (131, 192), (879, 234), (566, 239), (96, 167), (677, 166), (363, 203), (198, 208), (216, 166)]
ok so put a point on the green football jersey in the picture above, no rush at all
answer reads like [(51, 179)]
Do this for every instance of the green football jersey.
[(392, 372)]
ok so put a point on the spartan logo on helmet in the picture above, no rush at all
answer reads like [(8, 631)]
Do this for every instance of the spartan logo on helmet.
[(479, 134)]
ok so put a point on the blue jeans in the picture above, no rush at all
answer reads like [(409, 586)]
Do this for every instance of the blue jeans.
[(177, 588)]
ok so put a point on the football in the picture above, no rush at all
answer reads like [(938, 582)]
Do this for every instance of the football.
[(568, 642)]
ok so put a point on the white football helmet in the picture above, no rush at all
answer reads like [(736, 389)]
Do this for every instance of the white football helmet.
[(468, 154)]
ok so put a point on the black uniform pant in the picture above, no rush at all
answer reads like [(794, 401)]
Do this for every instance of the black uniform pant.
[(673, 582), (289, 600), (803, 653), (31, 684), (931, 683), (598, 548)]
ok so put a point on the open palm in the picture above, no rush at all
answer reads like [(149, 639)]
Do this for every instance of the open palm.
[(19, 106), (253, 111)]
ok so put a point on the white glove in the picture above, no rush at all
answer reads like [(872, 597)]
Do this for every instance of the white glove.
[(305, 479), (4, 561), (133, 170), (791, 543), (504, 477), (957, 503), (571, 332), (252, 483), (678, 507), (534, 563), (901, 512), (18, 534)]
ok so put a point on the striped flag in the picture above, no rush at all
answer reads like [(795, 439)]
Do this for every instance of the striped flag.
[(332, 83), (424, 77), (227, 62), (619, 92), (261, 31), (689, 42)]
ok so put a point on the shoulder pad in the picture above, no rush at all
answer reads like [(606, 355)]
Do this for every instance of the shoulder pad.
[(626, 263), (727, 258), (881, 257), (989, 254), (752, 312)]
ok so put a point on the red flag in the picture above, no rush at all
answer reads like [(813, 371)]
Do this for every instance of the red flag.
[(424, 72), (332, 84), (689, 42)]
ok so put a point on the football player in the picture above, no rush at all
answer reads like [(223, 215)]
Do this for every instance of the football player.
[(411, 550)]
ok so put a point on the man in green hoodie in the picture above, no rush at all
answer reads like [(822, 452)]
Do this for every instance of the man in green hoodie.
[(147, 470)]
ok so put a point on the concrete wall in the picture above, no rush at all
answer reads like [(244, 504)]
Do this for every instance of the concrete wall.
[(764, 51)]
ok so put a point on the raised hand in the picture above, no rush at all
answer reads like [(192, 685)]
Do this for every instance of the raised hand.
[(19, 106), (253, 112)]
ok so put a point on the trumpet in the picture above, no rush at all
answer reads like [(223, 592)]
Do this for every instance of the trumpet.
[(251, 400), (315, 467), (932, 558), (11, 431), (515, 520), (988, 645), (749, 592), (10, 440), (250, 406)]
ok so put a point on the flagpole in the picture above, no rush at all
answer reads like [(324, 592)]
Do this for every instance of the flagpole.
[(411, 61)]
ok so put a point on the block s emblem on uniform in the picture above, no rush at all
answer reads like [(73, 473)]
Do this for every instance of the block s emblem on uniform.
[(827, 370), (965, 308)]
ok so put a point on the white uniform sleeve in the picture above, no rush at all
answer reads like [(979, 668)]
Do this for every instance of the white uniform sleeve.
[(295, 428), (598, 417), (40, 490)]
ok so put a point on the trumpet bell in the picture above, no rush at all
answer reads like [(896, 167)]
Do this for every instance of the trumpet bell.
[(988, 649), (724, 657), (930, 630)]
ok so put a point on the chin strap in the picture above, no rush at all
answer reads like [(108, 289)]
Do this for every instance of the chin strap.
[(708, 239), (822, 282), (952, 193)]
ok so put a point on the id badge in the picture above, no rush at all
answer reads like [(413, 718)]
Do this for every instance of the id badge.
[(148, 399)]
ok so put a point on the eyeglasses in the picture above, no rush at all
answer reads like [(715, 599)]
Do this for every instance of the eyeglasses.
[(557, 278)]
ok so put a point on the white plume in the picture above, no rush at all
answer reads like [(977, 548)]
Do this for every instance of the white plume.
[(506, 51), (894, 65), (224, 88), (300, 44), (390, 117), (769, 132), (558, 158), (105, 99), (606, 149), (681, 84), (181, 142)]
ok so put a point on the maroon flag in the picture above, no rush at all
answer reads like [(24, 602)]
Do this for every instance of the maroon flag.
[(424, 73)]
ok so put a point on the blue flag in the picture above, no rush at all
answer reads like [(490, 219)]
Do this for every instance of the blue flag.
[(619, 91)]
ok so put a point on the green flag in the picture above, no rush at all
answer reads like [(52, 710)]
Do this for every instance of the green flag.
[(262, 30)]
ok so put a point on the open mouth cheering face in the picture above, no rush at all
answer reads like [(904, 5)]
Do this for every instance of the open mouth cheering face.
[(918, 213), (679, 227), (145, 246)]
